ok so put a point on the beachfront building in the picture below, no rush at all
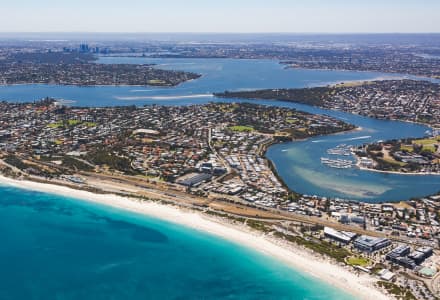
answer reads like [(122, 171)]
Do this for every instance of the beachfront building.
[(386, 275), (399, 256), (193, 179), (402, 250), (344, 237), (421, 254), (370, 244)]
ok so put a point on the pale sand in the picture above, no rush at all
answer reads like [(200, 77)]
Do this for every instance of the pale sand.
[(359, 286)]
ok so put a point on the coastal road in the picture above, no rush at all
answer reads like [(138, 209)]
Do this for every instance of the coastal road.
[(133, 185), (223, 203), (15, 169)]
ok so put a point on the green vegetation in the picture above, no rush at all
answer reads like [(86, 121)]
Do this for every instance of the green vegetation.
[(292, 121), (76, 164), (311, 96), (428, 145), (397, 291), (391, 162), (103, 157), (429, 148), (403, 155), (73, 122), (225, 215), (427, 141), (377, 268), (259, 225), (90, 124), (30, 167), (294, 196), (70, 123), (56, 125), (358, 261), (16, 162), (64, 69), (407, 148), (241, 128), (322, 247)]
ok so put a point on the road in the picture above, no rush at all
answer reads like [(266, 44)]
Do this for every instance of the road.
[(229, 204), (132, 185)]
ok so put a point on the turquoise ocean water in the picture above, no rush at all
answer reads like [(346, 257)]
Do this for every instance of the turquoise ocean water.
[(60, 248)]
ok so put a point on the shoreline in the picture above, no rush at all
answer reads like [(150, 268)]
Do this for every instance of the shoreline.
[(358, 165), (397, 172), (95, 85), (318, 267), (272, 166), (425, 77)]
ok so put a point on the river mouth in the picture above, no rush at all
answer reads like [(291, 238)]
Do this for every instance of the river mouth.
[(298, 163)]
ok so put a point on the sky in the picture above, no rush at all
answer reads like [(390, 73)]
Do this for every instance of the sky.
[(231, 16)]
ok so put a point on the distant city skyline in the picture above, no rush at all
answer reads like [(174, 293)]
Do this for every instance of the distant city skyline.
[(228, 16)]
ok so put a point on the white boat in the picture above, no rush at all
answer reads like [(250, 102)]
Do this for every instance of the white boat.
[(337, 163)]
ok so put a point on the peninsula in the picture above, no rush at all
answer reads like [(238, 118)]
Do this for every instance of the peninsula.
[(408, 156), (79, 69), (210, 159), (205, 165), (404, 100), (216, 147)]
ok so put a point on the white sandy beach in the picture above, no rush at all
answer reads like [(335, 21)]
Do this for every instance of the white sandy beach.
[(360, 286)]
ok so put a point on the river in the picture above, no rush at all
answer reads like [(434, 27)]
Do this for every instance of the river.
[(298, 163)]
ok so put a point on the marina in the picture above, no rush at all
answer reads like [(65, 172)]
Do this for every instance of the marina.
[(337, 163), (164, 151), (297, 163), (342, 149)]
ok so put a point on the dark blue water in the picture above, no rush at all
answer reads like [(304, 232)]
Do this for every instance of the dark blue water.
[(298, 163), (58, 248)]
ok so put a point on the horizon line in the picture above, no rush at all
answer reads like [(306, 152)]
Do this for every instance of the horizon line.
[(209, 32)]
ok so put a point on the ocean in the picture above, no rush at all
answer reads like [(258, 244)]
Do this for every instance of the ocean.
[(55, 247)]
